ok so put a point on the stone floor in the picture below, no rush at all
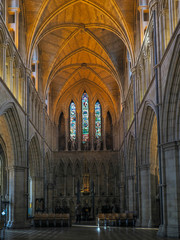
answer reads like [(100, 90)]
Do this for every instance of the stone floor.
[(77, 232)]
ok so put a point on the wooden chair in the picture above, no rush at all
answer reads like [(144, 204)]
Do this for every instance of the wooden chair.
[(107, 217), (122, 218), (66, 219), (44, 220), (112, 219), (100, 219), (51, 219), (58, 219), (130, 219), (37, 220)]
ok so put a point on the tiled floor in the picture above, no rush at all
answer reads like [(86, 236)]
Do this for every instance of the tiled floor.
[(83, 233)]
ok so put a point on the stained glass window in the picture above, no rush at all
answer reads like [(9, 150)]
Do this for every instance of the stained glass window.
[(97, 120), (72, 121), (85, 118)]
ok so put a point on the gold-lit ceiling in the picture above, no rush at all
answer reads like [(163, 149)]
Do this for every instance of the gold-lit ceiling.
[(80, 39)]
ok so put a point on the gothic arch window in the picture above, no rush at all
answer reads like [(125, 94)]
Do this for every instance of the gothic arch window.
[(85, 118), (98, 120), (72, 114)]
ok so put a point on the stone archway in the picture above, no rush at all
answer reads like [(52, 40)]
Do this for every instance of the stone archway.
[(149, 174), (35, 175), (3, 174), (12, 143), (171, 145)]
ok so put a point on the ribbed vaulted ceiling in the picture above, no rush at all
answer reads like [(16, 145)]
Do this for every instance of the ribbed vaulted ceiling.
[(80, 39)]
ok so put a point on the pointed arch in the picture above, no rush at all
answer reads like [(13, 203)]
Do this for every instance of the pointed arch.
[(145, 131), (171, 101), (85, 117), (35, 157), (11, 115), (72, 121), (98, 120)]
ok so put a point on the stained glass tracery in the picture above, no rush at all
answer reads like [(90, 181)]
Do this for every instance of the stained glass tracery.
[(97, 120), (72, 121), (85, 118)]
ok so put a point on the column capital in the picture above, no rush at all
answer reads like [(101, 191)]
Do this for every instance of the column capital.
[(152, 4), (14, 9), (133, 70), (142, 7), (170, 145), (123, 104), (145, 166), (10, 58), (18, 68), (3, 45), (28, 72), (17, 168)]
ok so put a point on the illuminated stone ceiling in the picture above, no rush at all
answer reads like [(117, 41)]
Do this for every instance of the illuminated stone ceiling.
[(81, 40)]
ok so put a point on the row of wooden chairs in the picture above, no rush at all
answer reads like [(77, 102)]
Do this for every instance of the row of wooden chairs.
[(115, 219), (44, 219)]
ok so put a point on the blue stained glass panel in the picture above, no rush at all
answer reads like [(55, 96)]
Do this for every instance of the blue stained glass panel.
[(97, 120), (72, 121), (85, 118)]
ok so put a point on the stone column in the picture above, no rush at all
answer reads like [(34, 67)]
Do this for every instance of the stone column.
[(37, 75), (79, 129), (50, 197), (1, 8), (145, 195), (16, 11), (98, 187), (65, 185), (17, 202), (11, 59), (146, 70), (104, 132), (4, 74), (130, 182), (172, 194), (17, 83), (115, 183), (171, 16), (113, 136), (39, 187), (151, 59), (107, 186), (154, 6), (66, 133), (7, 72), (161, 30), (92, 129), (122, 208), (73, 193), (142, 80)]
